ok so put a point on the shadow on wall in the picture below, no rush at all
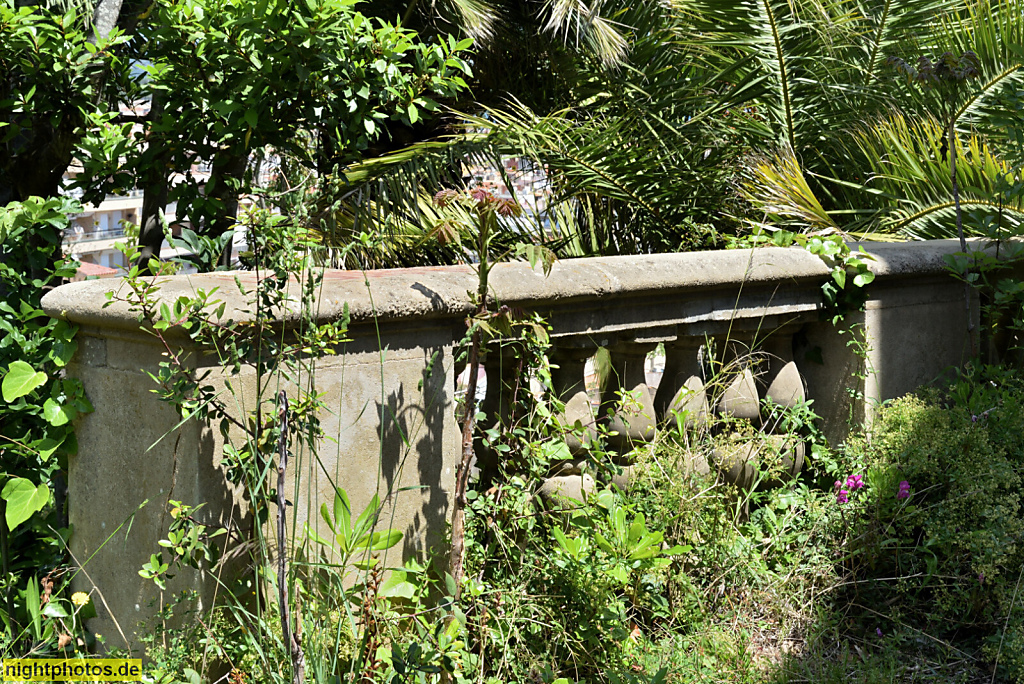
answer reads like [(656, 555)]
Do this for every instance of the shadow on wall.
[(411, 436)]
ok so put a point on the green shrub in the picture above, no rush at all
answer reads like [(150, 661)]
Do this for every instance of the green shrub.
[(38, 405), (943, 551)]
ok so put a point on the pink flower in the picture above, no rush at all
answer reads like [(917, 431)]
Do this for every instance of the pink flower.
[(904, 491), (842, 496), (855, 482)]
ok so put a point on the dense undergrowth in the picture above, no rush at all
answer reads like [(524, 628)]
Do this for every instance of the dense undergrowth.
[(895, 558)]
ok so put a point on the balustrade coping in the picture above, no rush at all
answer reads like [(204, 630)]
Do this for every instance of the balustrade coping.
[(790, 275)]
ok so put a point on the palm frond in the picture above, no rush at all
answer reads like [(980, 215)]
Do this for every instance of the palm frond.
[(816, 60), (898, 27), (778, 190), (910, 174), (577, 21), (994, 31), (478, 17)]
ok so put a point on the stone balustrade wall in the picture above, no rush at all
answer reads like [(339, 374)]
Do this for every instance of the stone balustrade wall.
[(391, 390)]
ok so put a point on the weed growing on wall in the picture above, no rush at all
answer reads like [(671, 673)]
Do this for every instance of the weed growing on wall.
[(849, 274)]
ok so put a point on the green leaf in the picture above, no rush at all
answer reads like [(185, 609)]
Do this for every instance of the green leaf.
[(21, 379), (53, 609), (385, 540), (555, 451), (397, 585), (618, 573), (678, 550), (563, 541), (327, 517), (55, 414), (367, 564), (46, 446), (862, 279), (23, 499), (840, 276), (367, 518), (637, 529), (31, 595), (342, 512)]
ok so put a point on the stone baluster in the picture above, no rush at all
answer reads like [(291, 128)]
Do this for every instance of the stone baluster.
[(785, 387), (502, 366), (783, 382), (458, 368), (682, 384), (568, 383), (738, 364), (567, 484), (627, 403)]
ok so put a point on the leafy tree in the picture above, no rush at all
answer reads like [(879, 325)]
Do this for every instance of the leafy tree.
[(52, 75), (232, 81), (224, 81)]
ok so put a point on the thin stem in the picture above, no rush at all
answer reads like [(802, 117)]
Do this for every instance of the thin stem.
[(5, 555), (462, 474), (469, 420), (291, 639), (282, 561), (960, 232)]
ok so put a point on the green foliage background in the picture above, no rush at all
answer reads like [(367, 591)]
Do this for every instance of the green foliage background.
[(37, 408)]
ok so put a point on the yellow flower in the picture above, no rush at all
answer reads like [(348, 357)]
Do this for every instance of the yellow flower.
[(80, 598)]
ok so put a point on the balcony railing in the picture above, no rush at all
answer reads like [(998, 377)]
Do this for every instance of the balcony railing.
[(73, 236)]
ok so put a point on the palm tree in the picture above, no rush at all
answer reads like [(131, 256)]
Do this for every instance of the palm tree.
[(789, 103), (865, 152), (636, 152)]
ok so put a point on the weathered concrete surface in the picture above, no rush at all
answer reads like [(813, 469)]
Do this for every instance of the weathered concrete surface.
[(120, 483), (393, 421), (389, 422)]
